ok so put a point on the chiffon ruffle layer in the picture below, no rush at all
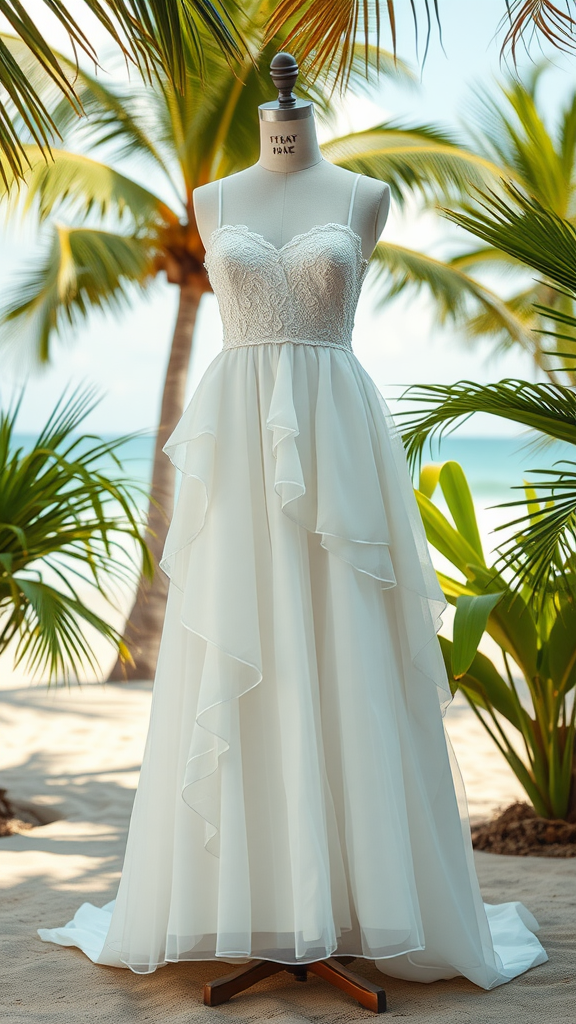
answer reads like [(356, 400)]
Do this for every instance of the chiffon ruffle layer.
[(298, 794)]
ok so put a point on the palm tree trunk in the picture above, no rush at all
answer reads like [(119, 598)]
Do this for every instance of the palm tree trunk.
[(144, 625)]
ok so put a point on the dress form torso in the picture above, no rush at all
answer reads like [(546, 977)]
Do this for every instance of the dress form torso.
[(282, 199), (288, 241), (282, 244)]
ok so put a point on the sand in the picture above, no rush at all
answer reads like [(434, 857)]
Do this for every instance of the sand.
[(76, 753)]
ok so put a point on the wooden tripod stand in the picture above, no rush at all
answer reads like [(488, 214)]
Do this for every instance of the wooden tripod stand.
[(333, 970)]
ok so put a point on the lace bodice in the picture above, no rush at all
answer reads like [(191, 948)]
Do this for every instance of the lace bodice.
[(306, 291)]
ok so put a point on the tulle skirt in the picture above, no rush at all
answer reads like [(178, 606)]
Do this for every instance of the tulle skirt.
[(298, 795)]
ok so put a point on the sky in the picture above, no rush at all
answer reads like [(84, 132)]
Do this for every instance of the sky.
[(124, 355)]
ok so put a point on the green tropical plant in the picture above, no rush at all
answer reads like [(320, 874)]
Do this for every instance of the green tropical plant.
[(535, 734), (114, 236), (63, 520), (509, 130), (527, 228), (149, 33), (538, 161), (544, 539)]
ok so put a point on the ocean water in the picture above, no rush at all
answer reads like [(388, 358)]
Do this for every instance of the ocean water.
[(496, 466)]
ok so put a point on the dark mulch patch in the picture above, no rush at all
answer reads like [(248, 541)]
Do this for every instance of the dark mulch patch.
[(519, 832), (17, 819)]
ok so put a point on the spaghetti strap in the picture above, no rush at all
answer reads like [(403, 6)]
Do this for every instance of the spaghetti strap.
[(219, 202), (352, 197)]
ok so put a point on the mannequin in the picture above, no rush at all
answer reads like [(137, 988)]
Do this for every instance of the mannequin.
[(292, 187), (290, 190)]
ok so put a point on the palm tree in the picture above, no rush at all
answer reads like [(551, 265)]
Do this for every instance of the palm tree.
[(510, 131), (152, 34), (183, 140)]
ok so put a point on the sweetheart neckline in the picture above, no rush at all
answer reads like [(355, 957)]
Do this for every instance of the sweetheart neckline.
[(295, 238)]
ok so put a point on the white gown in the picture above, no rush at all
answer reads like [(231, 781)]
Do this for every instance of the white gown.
[(298, 795)]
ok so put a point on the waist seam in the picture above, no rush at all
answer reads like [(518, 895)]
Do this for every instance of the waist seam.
[(246, 343)]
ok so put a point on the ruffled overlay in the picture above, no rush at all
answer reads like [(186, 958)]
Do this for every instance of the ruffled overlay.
[(298, 794)]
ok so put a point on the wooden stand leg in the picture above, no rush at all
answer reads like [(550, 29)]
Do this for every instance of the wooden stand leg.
[(373, 997), (221, 990)]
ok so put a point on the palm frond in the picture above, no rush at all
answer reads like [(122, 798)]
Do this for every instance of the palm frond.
[(458, 297), (534, 236), (77, 185), (521, 308), (567, 137), (510, 126), (567, 320), (548, 408), (422, 158), (537, 17), (542, 548), (159, 35), (51, 630), (153, 34), (485, 257), (113, 113), (322, 33), (20, 91), (83, 269), (527, 230), (535, 159), (367, 64)]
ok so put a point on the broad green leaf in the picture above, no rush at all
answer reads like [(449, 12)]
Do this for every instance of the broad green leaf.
[(559, 661), (470, 621), (484, 684), (446, 649), (512, 623), (442, 535), (459, 500)]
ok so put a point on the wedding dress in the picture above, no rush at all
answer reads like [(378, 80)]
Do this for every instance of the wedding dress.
[(298, 795)]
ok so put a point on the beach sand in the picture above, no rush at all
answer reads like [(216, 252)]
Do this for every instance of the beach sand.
[(76, 753)]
